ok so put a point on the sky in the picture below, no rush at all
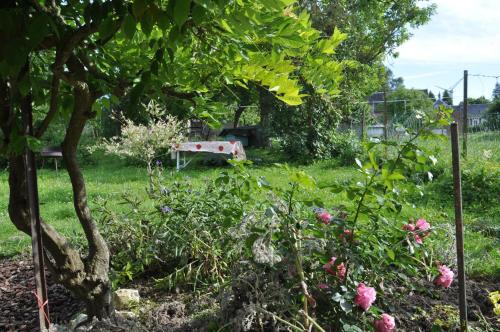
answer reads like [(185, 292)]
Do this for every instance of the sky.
[(462, 35)]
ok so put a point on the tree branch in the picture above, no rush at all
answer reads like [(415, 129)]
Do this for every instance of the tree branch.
[(63, 52), (54, 11), (170, 91)]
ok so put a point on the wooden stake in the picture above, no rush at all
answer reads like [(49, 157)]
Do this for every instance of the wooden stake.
[(34, 215), (459, 227), (385, 114), (465, 126)]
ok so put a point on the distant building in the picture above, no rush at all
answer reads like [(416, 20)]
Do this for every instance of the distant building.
[(476, 114), (439, 102)]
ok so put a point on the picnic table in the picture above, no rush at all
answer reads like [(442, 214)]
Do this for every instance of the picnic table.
[(234, 148)]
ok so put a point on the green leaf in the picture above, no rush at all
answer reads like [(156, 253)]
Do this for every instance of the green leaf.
[(139, 7), (106, 28), (199, 14), (346, 306), (33, 143), (303, 179), (226, 26), (373, 160), (37, 29), (163, 20), (436, 328), (351, 328), (129, 26), (396, 176), (391, 254), (181, 11), (147, 22)]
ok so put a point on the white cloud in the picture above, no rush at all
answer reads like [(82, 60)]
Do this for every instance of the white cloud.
[(424, 75), (461, 31)]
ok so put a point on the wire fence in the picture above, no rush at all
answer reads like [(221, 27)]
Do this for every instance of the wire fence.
[(483, 135)]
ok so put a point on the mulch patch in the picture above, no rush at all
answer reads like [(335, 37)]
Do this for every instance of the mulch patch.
[(18, 305)]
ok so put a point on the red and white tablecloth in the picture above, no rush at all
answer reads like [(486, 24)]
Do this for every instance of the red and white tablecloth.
[(225, 147)]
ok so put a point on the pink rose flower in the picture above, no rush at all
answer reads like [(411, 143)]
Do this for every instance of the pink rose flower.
[(325, 217), (386, 323), (347, 235), (341, 270), (445, 278), (329, 266), (423, 225), (365, 296), (418, 239), (409, 227)]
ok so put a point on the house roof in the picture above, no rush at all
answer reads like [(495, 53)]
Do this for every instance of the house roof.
[(440, 102), (473, 110)]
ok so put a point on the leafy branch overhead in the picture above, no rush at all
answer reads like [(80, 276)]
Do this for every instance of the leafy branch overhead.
[(246, 41)]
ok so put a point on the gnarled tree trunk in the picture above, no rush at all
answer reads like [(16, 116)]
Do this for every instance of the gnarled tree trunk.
[(86, 277)]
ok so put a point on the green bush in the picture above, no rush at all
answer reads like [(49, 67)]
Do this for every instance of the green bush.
[(182, 234), (345, 147), (480, 185)]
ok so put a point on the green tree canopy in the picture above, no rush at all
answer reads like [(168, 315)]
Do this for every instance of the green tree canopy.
[(432, 95), (496, 92), (479, 100), (375, 30), (493, 115), (404, 102), (447, 98), (75, 57)]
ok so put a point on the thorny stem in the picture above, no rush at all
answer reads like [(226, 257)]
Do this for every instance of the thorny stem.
[(298, 257), (293, 327), (303, 285), (309, 318), (355, 220)]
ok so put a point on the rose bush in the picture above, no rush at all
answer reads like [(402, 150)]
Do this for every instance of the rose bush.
[(340, 262)]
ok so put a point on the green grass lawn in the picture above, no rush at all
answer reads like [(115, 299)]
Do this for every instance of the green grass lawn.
[(111, 179)]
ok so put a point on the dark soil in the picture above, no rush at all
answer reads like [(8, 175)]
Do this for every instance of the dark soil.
[(18, 305), (427, 306), (418, 310)]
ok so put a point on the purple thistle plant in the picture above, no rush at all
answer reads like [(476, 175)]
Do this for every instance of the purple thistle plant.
[(318, 210), (166, 209)]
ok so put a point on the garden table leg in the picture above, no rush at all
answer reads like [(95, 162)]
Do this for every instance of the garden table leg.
[(178, 160)]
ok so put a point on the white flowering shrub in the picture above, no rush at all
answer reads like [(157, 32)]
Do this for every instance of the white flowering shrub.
[(147, 142)]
